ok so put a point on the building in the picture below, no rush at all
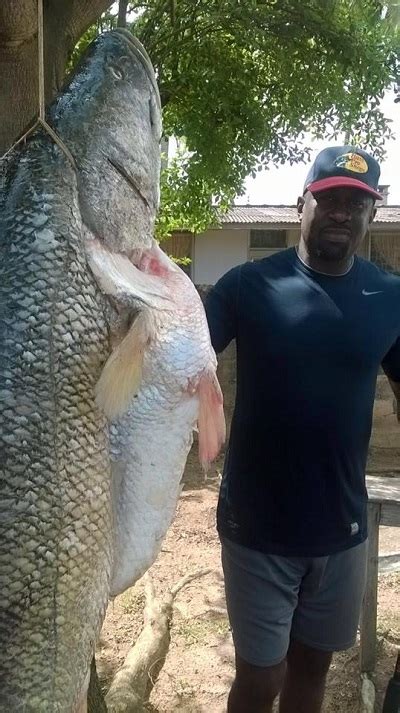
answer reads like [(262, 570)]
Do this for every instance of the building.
[(251, 232)]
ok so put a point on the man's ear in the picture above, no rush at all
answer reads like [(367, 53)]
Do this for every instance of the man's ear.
[(373, 214), (300, 204)]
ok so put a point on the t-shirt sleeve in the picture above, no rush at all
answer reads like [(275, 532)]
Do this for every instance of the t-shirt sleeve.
[(221, 309), (391, 362)]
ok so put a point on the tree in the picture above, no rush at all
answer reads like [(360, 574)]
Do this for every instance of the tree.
[(241, 80)]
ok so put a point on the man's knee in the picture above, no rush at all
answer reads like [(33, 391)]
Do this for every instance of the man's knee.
[(258, 683), (308, 662)]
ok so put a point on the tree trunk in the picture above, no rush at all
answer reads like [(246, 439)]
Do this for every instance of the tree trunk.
[(64, 23), (132, 684), (122, 10)]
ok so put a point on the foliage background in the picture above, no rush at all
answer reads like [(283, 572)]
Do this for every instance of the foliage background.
[(243, 81)]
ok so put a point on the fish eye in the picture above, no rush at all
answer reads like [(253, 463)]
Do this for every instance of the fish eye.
[(151, 111), (117, 71), (154, 117)]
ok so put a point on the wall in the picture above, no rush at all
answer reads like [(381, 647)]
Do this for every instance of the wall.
[(384, 451), (385, 249), (293, 236), (215, 252)]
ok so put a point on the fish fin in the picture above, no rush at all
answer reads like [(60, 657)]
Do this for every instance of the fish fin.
[(211, 419), (122, 374), (118, 277)]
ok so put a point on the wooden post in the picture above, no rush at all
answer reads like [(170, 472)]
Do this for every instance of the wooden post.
[(370, 603)]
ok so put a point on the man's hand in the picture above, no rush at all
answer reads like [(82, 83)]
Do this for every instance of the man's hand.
[(396, 403)]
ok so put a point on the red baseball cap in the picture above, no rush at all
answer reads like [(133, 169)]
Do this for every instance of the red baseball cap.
[(346, 166)]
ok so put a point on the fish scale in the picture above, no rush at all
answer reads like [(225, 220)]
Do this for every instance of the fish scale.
[(48, 591)]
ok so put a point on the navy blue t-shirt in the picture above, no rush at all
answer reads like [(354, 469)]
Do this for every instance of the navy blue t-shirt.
[(309, 347)]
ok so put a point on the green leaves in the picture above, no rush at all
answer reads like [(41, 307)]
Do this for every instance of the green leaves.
[(243, 80), (107, 21)]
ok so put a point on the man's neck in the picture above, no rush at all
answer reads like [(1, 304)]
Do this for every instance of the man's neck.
[(327, 267)]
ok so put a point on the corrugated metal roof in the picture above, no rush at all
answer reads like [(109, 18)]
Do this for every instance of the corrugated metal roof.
[(275, 214), (388, 214), (261, 214)]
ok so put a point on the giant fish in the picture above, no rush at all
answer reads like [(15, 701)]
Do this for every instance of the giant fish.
[(88, 357)]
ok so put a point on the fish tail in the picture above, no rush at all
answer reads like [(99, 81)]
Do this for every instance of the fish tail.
[(122, 374), (211, 419)]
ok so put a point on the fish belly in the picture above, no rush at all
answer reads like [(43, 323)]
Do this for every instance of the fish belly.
[(150, 447)]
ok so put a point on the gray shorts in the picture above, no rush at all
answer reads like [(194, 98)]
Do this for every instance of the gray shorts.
[(270, 599)]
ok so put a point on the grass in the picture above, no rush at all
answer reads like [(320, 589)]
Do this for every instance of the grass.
[(199, 631), (132, 601)]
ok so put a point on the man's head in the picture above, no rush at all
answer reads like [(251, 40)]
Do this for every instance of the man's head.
[(337, 205)]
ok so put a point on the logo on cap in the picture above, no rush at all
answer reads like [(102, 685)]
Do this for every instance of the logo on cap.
[(352, 162)]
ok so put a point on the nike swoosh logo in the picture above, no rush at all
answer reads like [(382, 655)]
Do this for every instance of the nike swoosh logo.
[(379, 292)]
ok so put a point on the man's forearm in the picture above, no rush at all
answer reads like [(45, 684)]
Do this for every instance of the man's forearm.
[(396, 390)]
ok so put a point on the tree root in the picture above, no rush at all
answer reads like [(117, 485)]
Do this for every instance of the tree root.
[(367, 702), (133, 683)]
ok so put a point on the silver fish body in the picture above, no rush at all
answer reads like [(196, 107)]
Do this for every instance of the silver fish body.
[(56, 509), (55, 518), (175, 389)]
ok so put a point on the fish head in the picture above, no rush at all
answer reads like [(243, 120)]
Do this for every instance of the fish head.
[(109, 116)]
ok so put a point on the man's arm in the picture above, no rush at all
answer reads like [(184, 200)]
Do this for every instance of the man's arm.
[(221, 309)]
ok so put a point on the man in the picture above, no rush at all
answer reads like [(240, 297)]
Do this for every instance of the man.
[(313, 325)]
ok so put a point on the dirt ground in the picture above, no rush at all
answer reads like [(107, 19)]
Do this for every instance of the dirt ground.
[(199, 667)]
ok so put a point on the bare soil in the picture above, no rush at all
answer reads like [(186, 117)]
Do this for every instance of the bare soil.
[(199, 667)]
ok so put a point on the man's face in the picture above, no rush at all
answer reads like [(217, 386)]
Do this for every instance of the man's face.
[(334, 222)]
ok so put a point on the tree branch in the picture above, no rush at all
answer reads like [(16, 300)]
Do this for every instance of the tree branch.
[(122, 8), (81, 14), (189, 578), (132, 684)]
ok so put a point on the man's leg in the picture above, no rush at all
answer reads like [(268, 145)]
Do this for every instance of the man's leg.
[(325, 620), (304, 684), (255, 687), (261, 596)]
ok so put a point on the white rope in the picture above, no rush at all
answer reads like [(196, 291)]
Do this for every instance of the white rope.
[(41, 61), (41, 120)]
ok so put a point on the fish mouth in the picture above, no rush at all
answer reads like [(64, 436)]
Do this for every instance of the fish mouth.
[(129, 179), (139, 51)]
